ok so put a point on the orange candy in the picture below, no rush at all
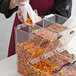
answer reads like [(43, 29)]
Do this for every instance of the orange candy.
[(29, 22)]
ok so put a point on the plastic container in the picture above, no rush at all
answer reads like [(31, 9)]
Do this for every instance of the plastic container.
[(37, 47), (25, 45), (63, 27), (69, 42), (28, 40)]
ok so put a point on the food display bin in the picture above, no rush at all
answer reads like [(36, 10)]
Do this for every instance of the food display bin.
[(30, 44), (37, 47)]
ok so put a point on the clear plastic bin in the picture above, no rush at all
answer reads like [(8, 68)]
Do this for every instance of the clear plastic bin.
[(26, 44), (28, 40), (59, 19), (38, 45), (69, 42), (62, 26), (65, 31)]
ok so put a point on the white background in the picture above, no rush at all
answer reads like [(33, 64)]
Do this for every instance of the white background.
[(6, 27)]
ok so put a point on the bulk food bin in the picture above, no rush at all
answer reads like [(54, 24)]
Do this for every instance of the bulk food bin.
[(36, 47), (61, 26), (68, 52), (66, 47), (27, 42)]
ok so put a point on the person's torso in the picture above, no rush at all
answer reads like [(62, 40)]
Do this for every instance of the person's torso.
[(42, 6)]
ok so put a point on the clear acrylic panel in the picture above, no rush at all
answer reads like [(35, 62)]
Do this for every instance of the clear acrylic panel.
[(40, 48)]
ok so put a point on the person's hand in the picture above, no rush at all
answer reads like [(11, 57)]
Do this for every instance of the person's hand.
[(19, 2)]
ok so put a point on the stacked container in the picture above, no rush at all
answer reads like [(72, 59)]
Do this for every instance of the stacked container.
[(39, 49)]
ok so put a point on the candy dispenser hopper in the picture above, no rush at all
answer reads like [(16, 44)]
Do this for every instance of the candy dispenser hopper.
[(50, 60), (32, 43), (36, 48)]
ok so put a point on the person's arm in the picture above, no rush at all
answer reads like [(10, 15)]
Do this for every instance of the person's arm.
[(62, 7), (7, 7), (12, 5)]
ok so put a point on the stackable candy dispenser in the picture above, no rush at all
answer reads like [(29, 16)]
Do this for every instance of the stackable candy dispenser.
[(26, 44), (38, 47), (61, 26), (68, 51), (66, 47), (32, 42)]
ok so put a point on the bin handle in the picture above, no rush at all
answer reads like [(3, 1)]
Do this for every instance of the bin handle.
[(67, 64)]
